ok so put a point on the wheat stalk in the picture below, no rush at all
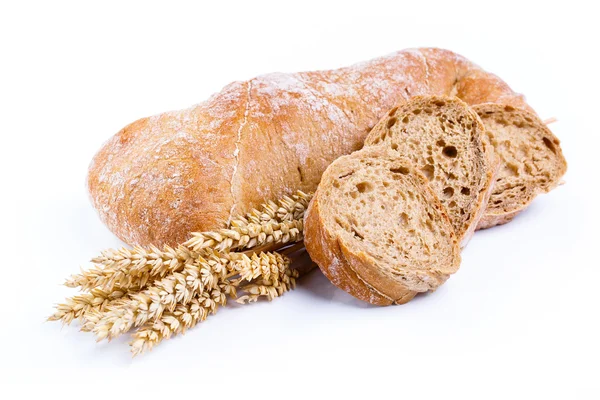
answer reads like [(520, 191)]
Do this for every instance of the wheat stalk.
[(272, 226), (179, 288), (186, 316)]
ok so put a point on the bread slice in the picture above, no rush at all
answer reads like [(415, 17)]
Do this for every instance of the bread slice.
[(378, 231), (444, 138), (532, 161)]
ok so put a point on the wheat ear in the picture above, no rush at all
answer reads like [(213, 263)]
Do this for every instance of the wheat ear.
[(273, 224), (186, 316), (268, 228), (77, 307), (132, 268), (179, 288)]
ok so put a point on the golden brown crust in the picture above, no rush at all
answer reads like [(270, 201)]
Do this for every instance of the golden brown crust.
[(491, 220), (164, 176), (325, 251)]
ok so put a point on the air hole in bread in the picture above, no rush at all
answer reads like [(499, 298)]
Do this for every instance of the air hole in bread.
[(450, 151), (393, 111), (342, 224), (364, 187), (509, 108), (440, 103), (452, 204), (549, 145), (428, 171), (404, 219), (400, 170), (346, 175), (417, 111), (512, 169), (392, 122), (357, 234), (440, 143), (405, 119), (430, 226), (394, 146), (466, 191), (448, 192)]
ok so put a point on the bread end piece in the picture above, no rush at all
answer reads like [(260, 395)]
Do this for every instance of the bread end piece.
[(530, 158)]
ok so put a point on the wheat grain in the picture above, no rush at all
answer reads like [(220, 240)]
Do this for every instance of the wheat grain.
[(269, 288), (77, 307), (176, 322)]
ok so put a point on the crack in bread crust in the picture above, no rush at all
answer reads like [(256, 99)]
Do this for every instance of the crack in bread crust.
[(236, 151)]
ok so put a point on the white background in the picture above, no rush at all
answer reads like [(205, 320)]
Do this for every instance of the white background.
[(521, 317)]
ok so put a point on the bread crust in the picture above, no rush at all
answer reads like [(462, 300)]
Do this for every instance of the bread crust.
[(325, 250), (491, 220), (165, 176)]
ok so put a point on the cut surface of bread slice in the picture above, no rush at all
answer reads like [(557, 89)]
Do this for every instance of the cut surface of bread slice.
[(531, 160), (444, 139), (378, 231)]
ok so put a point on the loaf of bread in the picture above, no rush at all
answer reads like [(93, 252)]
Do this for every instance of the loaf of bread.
[(444, 138), (531, 160), (377, 230), (162, 177)]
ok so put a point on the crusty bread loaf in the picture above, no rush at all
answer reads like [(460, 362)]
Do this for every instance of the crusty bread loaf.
[(531, 160), (377, 230), (444, 138), (165, 176)]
